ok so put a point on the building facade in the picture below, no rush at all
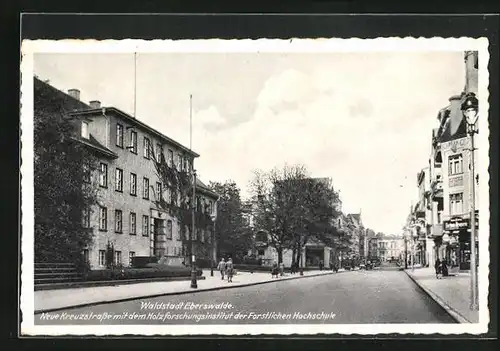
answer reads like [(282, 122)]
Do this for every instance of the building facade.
[(451, 178), (128, 216), (421, 221), (389, 247)]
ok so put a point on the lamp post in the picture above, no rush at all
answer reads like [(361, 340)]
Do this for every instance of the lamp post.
[(194, 283), (213, 216), (406, 248), (470, 109)]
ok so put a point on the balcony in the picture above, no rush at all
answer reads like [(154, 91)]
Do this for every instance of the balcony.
[(437, 189)]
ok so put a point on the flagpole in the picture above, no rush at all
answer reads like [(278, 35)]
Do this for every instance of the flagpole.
[(135, 84), (190, 121)]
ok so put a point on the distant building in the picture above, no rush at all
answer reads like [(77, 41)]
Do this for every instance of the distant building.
[(424, 245), (390, 247)]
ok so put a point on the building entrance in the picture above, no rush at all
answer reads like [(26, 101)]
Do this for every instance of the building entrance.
[(159, 238)]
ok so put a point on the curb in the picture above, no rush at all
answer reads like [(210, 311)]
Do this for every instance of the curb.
[(89, 304), (450, 310), (93, 284)]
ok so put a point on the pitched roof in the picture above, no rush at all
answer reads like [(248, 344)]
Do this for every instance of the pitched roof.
[(356, 217), (67, 101), (96, 146), (79, 108), (204, 188)]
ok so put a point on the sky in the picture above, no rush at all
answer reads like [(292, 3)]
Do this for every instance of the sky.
[(363, 119)]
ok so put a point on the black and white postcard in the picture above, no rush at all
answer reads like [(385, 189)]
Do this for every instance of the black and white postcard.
[(302, 186)]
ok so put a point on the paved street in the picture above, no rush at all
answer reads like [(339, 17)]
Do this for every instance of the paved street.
[(361, 297)]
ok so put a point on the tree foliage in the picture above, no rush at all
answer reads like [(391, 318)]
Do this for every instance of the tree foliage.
[(61, 190), (233, 234), (293, 208)]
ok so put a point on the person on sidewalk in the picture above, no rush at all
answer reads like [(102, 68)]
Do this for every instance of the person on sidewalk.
[(320, 265), (437, 268), (222, 268), (229, 270), (444, 268), (282, 269), (274, 270)]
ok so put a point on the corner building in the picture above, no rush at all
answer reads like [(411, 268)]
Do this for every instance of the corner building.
[(450, 166), (126, 214)]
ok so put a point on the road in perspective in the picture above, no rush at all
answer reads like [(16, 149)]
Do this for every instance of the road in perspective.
[(384, 295)]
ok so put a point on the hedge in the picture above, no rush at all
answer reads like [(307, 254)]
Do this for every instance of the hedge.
[(153, 270), (142, 261), (255, 268)]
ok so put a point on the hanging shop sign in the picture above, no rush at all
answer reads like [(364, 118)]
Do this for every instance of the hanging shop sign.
[(456, 224)]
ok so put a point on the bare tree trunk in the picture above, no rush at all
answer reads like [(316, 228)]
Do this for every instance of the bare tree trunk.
[(280, 255), (299, 253)]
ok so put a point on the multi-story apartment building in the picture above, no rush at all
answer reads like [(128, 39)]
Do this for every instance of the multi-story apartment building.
[(128, 214), (450, 173), (422, 218), (389, 247)]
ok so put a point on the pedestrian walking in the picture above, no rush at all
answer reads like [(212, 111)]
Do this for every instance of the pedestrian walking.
[(438, 266), (222, 268), (229, 270), (274, 270), (320, 265), (444, 268), (282, 269)]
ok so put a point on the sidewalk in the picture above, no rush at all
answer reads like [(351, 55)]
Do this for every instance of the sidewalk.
[(50, 300), (452, 293)]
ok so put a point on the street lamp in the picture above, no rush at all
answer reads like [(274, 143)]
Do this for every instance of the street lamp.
[(214, 217), (470, 109), (194, 283)]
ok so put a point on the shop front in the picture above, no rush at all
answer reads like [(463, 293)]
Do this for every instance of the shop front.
[(457, 239)]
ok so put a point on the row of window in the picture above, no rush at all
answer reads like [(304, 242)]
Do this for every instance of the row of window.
[(182, 162), (103, 221), (202, 235), (103, 182), (387, 245), (456, 206)]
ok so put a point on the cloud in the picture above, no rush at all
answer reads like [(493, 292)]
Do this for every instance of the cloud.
[(363, 119)]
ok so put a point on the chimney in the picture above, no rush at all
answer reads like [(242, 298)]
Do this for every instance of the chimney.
[(95, 104), (75, 93)]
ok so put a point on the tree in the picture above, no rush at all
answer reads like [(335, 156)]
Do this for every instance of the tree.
[(232, 232), (293, 208), (317, 209), (277, 196), (178, 181), (63, 188)]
